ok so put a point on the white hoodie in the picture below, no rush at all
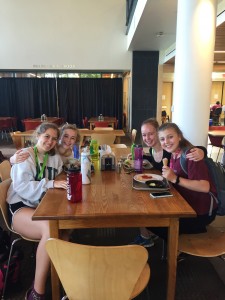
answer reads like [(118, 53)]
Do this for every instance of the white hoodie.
[(25, 187)]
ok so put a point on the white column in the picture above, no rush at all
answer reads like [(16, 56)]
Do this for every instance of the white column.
[(195, 39)]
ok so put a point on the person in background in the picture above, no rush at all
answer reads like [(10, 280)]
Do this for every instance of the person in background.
[(69, 135), (196, 186), (214, 107), (217, 105), (149, 132), (30, 181)]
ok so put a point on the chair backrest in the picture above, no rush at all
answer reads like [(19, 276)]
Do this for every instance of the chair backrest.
[(103, 128), (101, 124), (104, 138), (98, 273), (16, 139), (215, 140), (4, 186), (217, 111), (5, 168), (133, 135)]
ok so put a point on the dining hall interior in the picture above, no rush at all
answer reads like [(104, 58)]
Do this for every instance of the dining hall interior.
[(118, 63)]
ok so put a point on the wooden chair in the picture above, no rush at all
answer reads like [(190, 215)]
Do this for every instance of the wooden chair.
[(99, 273), (208, 244), (133, 135), (104, 138), (103, 128), (16, 139), (4, 186), (5, 168)]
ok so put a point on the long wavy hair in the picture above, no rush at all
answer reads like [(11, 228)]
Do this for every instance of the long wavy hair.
[(184, 143)]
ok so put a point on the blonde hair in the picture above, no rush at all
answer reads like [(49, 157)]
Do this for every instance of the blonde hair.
[(72, 127)]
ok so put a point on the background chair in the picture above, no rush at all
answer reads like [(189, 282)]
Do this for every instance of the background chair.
[(16, 139), (103, 128), (215, 141), (5, 168), (216, 115), (4, 186), (99, 273), (133, 135), (85, 122), (104, 138)]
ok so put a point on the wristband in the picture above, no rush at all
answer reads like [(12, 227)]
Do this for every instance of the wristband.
[(177, 180)]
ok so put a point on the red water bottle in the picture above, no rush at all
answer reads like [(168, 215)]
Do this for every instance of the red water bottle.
[(74, 185)]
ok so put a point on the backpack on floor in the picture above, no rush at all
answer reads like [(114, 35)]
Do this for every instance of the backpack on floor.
[(217, 173), (14, 270)]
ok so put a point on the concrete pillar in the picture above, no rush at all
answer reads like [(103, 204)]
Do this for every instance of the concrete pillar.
[(195, 39)]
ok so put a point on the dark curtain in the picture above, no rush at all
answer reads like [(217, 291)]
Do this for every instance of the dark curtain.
[(75, 98), (89, 97)]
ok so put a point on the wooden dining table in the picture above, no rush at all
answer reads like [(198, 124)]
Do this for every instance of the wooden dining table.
[(110, 120), (109, 202)]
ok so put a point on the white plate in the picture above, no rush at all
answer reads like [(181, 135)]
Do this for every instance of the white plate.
[(146, 177)]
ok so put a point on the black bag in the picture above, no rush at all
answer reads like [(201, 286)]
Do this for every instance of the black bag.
[(14, 270)]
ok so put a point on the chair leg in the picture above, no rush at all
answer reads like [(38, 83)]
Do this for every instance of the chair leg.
[(164, 251), (218, 155), (7, 270)]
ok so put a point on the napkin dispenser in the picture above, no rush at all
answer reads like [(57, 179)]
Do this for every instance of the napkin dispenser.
[(107, 162)]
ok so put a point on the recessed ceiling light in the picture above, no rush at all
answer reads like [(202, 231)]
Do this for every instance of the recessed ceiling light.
[(159, 34)]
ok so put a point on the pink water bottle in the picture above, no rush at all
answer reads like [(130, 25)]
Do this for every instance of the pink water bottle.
[(138, 158), (74, 185)]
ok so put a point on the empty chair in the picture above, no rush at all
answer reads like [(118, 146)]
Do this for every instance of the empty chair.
[(215, 141), (207, 244), (99, 273), (5, 168), (101, 124), (133, 135), (16, 139), (104, 138), (5, 127), (103, 128), (85, 122), (4, 186)]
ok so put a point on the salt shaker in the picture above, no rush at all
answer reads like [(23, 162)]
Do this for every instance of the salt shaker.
[(138, 158), (86, 166), (74, 185)]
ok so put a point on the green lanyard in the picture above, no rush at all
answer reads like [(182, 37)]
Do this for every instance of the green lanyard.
[(40, 172)]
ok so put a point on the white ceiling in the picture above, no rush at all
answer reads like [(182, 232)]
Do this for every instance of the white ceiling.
[(160, 16)]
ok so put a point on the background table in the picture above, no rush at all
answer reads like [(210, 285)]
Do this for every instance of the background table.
[(110, 120), (110, 201), (31, 124)]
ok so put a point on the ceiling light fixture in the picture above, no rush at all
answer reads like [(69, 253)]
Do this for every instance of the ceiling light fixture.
[(159, 34), (219, 51)]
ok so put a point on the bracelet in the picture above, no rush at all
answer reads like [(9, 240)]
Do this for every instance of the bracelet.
[(177, 180)]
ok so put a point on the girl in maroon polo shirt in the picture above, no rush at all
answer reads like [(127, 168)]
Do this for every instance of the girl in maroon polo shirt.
[(194, 186)]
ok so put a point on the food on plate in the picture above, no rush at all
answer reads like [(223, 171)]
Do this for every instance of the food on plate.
[(145, 176)]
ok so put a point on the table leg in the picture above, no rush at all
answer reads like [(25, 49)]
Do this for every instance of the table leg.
[(54, 233), (173, 234)]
